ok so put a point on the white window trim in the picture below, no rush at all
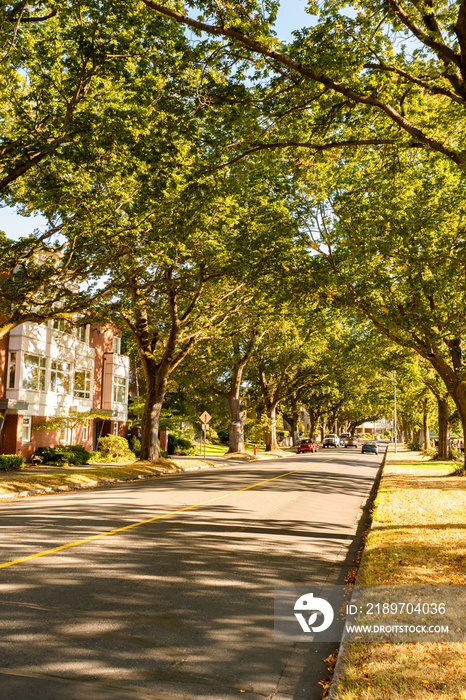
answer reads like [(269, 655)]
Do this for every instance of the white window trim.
[(115, 427), (41, 367), (15, 363), (27, 422), (79, 369), (120, 385), (86, 333), (66, 374)]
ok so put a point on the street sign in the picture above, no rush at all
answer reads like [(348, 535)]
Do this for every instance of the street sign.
[(204, 418)]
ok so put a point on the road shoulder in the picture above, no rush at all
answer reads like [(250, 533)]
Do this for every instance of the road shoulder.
[(30, 481), (416, 538)]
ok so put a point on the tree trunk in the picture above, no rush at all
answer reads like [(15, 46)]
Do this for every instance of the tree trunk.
[(313, 419), (293, 419), (295, 428), (156, 389), (271, 434), (455, 385), (236, 434), (444, 450), (425, 424), (323, 428), (236, 429)]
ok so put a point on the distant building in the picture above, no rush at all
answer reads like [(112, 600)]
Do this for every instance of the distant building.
[(48, 369), (374, 427)]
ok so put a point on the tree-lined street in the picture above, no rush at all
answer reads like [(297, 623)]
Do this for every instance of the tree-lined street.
[(181, 606), (269, 231)]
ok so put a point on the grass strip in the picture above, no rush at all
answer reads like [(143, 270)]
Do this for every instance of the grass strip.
[(417, 537), (11, 483)]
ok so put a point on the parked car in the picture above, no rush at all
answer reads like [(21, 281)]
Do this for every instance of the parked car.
[(370, 446), (351, 441), (331, 440), (343, 437), (307, 445)]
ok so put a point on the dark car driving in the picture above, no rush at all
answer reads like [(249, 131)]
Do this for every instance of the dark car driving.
[(370, 446)]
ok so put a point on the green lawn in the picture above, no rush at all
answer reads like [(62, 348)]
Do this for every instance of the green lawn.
[(220, 450), (217, 450)]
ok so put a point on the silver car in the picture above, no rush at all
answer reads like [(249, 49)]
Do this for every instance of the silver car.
[(331, 440)]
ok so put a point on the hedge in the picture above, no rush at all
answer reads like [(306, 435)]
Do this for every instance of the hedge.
[(61, 455), (8, 462), (179, 445)]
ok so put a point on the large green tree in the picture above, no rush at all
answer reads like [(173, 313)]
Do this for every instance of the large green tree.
[(378, 74), (390, 241)]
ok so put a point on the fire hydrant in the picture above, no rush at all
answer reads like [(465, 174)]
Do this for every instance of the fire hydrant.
[(255, 450)]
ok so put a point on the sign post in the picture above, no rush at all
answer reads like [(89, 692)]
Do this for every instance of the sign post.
[(204, 418)]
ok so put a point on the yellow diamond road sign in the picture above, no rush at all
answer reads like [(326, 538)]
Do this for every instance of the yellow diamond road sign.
[(205, 418)]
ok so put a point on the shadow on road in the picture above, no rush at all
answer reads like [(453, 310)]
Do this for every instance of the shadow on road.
[(178, 608)]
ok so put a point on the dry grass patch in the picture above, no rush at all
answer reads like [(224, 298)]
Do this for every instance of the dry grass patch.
[(404, 671), (418, 537), (246, 456), (12, 483)]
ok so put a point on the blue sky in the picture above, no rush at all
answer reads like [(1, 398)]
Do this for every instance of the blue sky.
[(290, 16)]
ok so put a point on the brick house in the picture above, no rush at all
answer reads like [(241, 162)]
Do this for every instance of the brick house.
[(50, 368)]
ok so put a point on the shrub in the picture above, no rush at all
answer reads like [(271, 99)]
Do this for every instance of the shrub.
[(179, 445), (61, 455), (8, 462), (223, 436), (414, 446), (458, 469), (115, 449), (134, 444), (81, 455), (283, 434), (96, 457)]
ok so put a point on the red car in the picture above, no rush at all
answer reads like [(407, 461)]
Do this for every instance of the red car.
[(307, 446)]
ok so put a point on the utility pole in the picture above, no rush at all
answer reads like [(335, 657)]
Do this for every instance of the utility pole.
[(394, 396)]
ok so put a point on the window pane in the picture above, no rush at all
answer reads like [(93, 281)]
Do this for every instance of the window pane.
[(119, 389), (26, 428), (31, 372), (12, 372), (42, 379), (82, 384), (59, 324), (59, 377)]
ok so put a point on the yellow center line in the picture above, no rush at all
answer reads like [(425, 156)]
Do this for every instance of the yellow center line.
[(157, 517)]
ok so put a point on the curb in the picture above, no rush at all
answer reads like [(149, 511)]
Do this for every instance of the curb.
[(103, 482), (344, 646), (94, 484)]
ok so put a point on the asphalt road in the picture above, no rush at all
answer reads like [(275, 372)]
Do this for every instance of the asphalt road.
[(180, 606)]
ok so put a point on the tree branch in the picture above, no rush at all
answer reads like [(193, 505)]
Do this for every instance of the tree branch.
[(457, 157)]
